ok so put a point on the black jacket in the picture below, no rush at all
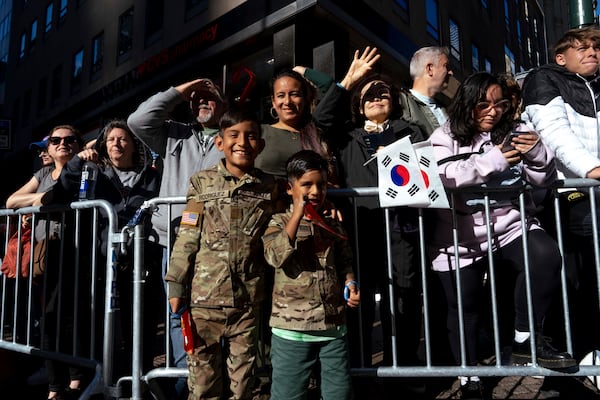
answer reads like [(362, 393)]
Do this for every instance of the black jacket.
[(332, 116), (125, 200)]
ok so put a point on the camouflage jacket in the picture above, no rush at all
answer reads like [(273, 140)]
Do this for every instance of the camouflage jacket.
[(218, 247), (309, 275)]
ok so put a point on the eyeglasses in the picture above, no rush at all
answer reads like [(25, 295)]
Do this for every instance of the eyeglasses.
[(56, 140), (501, 107)]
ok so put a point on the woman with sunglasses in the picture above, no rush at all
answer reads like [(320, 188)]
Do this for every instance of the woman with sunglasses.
[(481, 144), (358, 116), (63, 143)]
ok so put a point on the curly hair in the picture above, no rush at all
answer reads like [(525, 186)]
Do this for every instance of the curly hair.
[(461, 110)]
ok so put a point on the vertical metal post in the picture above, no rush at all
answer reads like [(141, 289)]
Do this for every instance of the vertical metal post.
[(388, 240), (138, 281), (581, 13)]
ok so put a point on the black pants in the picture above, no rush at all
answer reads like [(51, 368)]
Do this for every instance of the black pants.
[(374, 279), (580, 265), (544, 268), (59, 319)]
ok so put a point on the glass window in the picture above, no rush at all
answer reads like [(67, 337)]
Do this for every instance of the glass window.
[(488, 66), (433, 26), (5, 27), (506, 15), (125, 40), (403, 4), (509, 59), (62, 13), (49, 17), (475, 57), (97, 53), (154, 20), (15, 112), (484, 4), (34, 29), (27, 107), (23, 46), (42, 94), (56, 84), (77, 69), (454, 39), (195, 7)]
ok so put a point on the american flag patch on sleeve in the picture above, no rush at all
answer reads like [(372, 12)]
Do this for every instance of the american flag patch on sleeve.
[(189, 218)]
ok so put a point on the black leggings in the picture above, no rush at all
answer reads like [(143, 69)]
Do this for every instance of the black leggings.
[(544, 269)]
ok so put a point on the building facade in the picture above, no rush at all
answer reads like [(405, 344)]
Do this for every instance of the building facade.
[(84, 62)]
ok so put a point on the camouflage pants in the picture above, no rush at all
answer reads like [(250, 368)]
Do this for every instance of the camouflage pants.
[(237, 328)]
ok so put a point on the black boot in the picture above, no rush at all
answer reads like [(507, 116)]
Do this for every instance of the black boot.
[(547, 356), (472, 390)]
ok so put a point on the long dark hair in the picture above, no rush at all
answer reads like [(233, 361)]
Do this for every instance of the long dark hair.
[(461, 111)]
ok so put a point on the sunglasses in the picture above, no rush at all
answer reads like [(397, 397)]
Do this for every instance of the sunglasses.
[(56, 140), (377, 91)]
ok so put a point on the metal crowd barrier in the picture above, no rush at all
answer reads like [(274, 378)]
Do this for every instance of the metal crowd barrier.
[(87, 329), (18, 323), (498, 368)]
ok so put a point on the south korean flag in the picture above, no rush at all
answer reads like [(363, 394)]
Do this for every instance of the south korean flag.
[(431, 175), (401, 182)]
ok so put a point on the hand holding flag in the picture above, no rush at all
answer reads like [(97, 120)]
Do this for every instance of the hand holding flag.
[(401, 181)]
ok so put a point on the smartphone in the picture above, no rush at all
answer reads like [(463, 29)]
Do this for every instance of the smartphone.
[(507, 144)]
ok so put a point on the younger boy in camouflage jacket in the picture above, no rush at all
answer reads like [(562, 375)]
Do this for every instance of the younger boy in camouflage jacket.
[(313, 263)]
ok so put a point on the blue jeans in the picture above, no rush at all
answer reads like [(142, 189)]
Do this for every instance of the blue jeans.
[(177, 350), (293, 363)]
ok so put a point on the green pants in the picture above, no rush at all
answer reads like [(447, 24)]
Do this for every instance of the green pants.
[(293, 362)]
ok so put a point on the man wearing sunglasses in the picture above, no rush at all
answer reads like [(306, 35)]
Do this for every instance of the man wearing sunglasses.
[(184, 148), (430, 71)]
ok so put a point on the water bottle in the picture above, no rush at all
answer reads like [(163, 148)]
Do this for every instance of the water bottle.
[(187, 330), (87, 186)]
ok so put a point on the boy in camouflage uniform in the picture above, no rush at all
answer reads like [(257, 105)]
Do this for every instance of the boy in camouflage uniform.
[(217, 264), (313, 263)]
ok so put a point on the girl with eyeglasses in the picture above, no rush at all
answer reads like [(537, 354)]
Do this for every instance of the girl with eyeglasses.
[(481, 144)]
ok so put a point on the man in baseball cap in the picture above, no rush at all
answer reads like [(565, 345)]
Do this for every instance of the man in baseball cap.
[(41, 149), (184, 148)]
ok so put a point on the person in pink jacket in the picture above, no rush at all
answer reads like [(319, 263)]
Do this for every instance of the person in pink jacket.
[(481, 145)]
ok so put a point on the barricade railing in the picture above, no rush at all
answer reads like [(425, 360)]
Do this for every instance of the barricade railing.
[(16, 335), (498, 367), (63, 312)]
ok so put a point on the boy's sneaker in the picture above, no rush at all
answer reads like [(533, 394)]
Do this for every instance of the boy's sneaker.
[(472, 390), (547, 356)]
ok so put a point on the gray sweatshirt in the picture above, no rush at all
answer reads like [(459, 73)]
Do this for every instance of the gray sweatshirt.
[(184, 148)]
